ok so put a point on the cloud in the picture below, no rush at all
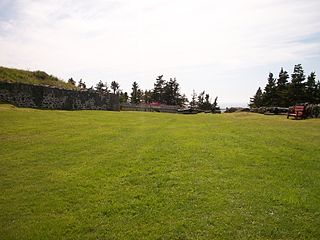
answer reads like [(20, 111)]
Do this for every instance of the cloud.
[(219, 41)]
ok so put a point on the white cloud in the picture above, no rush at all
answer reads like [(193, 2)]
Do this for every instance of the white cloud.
[(206, 44)]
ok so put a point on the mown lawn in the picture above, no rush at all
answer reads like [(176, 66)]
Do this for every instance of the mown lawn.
[(135, 175)]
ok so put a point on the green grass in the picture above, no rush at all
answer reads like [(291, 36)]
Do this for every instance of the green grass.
[(135, 175), (28, 77)]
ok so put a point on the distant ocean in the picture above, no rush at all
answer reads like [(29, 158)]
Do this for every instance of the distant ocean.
[(234, 104)]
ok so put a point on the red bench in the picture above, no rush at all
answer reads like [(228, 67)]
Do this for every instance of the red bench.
[(298, 112)]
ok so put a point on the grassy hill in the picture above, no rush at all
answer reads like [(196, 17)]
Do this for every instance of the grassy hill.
[(28, 77), (136, 175)]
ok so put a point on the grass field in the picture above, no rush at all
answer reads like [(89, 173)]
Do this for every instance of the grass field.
[(135, 175)]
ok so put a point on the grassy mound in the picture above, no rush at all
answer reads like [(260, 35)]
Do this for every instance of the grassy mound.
[(28, 77), (135, 175)]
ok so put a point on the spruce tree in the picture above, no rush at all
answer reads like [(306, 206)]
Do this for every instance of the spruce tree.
[(171, 93), (215, 105), (71, 81), (269, 96), (201, 97), (296, 90), (147, 97), (158, 90), (256, 101), (114, 86), (123, 97), (136, 93), (311, 88), (318, 92), (207, 104), (100, 86), (282, 89), (106, 87), (193, 102), (168, 92)]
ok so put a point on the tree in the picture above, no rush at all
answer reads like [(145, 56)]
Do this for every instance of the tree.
[(158, 89), (193, 103), (71, 81), (123, 97), (311, 88), (207, 103), (183, 100), (147, 97), (201, 100), (114, 86), (318, 92), (282, 93), (82, 85), (282, 89), (296, 89), (136, 94), (269, 96), (256, 101), (171, 93), (100, 87), (106, 87), (204, 101), (215, 105)]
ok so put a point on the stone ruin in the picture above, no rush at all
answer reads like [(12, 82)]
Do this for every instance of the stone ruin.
[(48, 97)]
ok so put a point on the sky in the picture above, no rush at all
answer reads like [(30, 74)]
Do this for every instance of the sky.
[(224, 47)]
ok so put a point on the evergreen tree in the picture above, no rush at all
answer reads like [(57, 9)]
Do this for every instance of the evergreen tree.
[(158, 90), (114, 86), (311, 88), (123, 97), (318, 92), (193, 103), (269, 96), (82, 84), (183, 100), (136, 93), (282, 89), (207, 104), (168, 92), (106, 87), (257, 100), (201, 100), (100, 87), (215, 105), (147, 97), (175, 97), (296, 90), (71, 81)]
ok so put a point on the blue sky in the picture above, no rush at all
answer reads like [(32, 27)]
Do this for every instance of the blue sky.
[(225, 47)]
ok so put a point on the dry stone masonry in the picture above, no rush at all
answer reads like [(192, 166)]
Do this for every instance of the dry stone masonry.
[(46, 97)]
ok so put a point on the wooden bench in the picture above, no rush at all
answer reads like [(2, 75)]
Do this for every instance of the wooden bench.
[(298, 112)]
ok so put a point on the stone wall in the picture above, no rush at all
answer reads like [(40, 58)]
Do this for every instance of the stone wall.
[(46, 97)]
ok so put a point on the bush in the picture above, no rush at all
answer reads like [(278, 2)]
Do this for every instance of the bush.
[(41, 75)]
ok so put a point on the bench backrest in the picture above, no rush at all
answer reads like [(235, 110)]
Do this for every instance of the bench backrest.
[(299, 108)]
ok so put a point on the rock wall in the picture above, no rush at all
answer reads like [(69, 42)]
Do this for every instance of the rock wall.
[(45, 97)]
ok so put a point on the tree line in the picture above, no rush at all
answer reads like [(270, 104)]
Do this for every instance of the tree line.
[(285, 92), (164, 92)]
